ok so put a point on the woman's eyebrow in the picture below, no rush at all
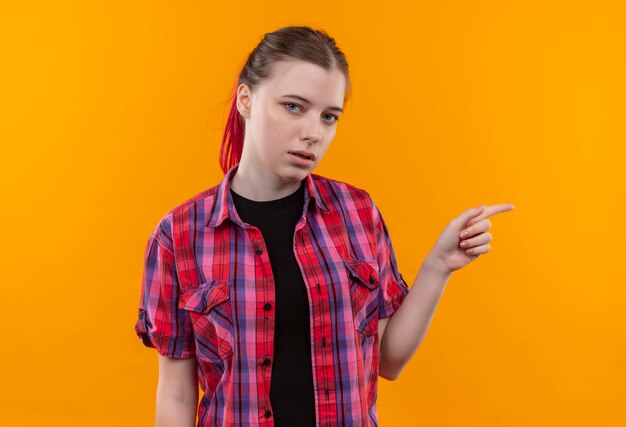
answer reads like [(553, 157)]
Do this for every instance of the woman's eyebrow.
[(308, 102)]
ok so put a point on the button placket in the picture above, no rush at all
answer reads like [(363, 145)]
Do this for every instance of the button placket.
[(258, 244)]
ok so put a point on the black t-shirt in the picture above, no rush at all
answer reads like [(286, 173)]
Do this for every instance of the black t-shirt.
[(291, 391)]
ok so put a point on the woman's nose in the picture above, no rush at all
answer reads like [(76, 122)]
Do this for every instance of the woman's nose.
[(313, 130)]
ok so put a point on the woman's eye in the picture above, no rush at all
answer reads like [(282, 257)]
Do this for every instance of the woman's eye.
[(291, 103), (336, 118)]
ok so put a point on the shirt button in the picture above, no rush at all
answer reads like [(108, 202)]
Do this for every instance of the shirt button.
[(267, 362), (268, 413), (267, 306), (372, 280), (258, 251), (323, 341)]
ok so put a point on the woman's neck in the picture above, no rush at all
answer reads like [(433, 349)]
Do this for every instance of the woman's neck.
[(257, 186)]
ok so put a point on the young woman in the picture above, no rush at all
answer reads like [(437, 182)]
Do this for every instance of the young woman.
[(274, 289)]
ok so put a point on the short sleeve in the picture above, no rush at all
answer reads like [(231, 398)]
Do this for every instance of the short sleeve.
[(160, 324), (393, 288)]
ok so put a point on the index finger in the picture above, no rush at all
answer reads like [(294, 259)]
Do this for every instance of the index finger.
[(491, 210)]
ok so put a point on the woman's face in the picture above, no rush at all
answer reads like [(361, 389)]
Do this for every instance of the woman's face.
[(295, 109)]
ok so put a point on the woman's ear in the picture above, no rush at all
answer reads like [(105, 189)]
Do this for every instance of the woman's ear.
[(244, 100)]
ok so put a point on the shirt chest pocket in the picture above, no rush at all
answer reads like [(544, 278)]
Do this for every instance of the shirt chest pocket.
[(364, 291), (209, 308)]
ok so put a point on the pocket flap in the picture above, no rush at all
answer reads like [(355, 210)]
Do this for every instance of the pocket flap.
[(364, 270), (206, 296)]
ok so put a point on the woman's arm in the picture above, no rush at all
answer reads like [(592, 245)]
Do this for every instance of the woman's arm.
[(406, 327), (177, 392), (464, 239)]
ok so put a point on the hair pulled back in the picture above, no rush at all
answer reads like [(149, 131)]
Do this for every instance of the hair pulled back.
[(293, 42)]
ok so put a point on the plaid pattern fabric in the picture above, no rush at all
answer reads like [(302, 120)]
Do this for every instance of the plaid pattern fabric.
[(208, 292)]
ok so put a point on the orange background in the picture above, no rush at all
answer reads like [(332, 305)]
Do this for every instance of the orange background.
[(112, 113)]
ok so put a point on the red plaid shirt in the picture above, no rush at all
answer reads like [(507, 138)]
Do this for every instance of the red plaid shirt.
[(208, 292)]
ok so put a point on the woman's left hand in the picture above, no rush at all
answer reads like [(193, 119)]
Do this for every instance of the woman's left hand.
[(454, 249)]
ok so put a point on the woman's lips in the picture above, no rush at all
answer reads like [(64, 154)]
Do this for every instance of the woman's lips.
[(300, 160), (304, 154)]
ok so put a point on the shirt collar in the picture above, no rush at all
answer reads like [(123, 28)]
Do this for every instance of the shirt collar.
[(223, 206)]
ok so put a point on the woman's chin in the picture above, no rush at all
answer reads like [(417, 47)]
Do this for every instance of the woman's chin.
[(291, 173)]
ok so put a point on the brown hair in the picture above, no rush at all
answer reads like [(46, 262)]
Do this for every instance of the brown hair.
[(294, 42)]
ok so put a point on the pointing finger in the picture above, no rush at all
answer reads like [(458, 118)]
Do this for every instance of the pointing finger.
[(492, 210), (462, 219)]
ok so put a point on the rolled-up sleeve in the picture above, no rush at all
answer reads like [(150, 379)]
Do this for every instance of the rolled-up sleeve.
[(160, 324), (393, 288)]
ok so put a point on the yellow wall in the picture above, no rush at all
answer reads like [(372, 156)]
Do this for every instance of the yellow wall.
[(112, 113)]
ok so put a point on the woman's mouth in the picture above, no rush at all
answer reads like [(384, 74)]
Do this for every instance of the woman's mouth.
[(303, 154), (300, 159)]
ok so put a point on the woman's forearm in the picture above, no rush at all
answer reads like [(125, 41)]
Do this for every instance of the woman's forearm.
[(408, 325)]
